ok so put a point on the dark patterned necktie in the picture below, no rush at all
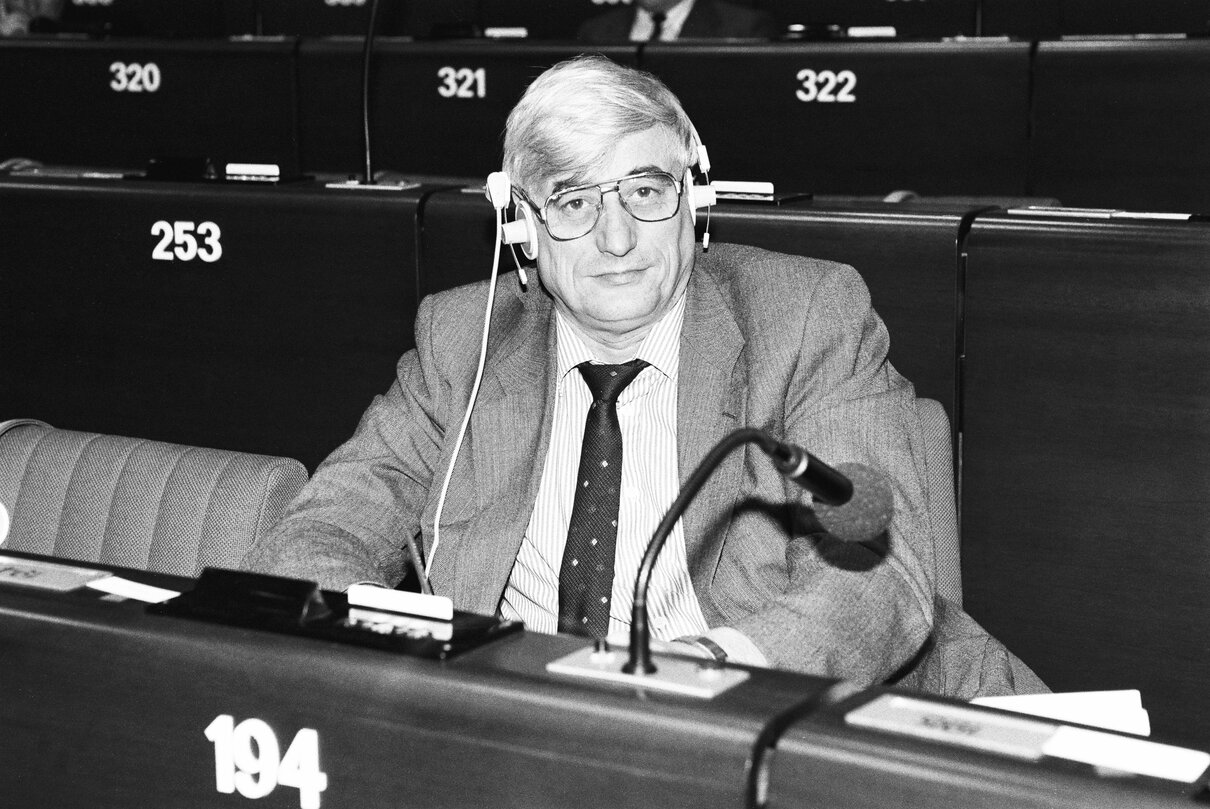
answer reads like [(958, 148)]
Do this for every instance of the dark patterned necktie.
[(586, 576)]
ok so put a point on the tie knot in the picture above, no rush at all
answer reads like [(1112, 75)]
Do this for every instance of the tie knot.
[(608, 381)]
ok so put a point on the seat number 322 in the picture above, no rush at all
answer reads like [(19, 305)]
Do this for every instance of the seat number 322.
[(248, 760), (826, 86)]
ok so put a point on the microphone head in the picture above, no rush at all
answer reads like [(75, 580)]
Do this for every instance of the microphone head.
[(867, 513)]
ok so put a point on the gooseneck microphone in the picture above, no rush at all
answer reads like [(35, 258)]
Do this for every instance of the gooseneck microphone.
[(854, 505)]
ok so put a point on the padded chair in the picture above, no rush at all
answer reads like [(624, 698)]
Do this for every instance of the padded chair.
[(939, 473), (135, 503), (963, 661)]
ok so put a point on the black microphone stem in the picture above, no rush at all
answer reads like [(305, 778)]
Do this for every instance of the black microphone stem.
[(640, 634), (367, 52)]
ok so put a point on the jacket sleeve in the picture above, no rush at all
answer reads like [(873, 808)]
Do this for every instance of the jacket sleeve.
[(859, 611), (351, 521)]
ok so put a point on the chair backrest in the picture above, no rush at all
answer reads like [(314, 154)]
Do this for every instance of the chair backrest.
[(136, 503), (943, 512)]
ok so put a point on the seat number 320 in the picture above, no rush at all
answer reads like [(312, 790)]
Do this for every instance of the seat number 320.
[(247, 760)]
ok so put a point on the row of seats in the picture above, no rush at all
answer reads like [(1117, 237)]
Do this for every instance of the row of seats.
[(1067, 346), (133, 503), (560, 19), (1074, 121)]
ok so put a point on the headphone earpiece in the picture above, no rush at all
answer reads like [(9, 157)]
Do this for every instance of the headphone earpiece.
[(700, 196), (522, 230)]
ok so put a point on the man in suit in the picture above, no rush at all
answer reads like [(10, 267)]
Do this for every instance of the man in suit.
[(668, 20), (599, 157)]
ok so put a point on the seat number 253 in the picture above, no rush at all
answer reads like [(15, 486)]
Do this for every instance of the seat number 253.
[(185, 241)]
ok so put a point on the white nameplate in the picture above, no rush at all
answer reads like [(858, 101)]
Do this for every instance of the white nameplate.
[(45, 575), (1029, 739), (1126, 754), (380, 598), (741, 187), (116, 585), (955, 724)]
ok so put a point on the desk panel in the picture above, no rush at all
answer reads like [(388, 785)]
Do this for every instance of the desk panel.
[(322, 18), (132, 100), (437, 108), (858, 118), (113, 708), (140, 18), (924, 20), (108, 706), (1085, 483), (544, 19), (1051, 19), (1122, 124), (272, 337)]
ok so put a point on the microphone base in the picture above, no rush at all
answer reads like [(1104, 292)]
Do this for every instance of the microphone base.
[(690, 677), (380, 185)]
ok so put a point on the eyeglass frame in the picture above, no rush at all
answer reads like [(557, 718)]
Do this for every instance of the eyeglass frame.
[(679, 185)]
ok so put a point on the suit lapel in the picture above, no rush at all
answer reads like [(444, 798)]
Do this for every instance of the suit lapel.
[(710, 404)]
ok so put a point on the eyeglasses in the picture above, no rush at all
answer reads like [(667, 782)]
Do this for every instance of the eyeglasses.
[(573, 212)]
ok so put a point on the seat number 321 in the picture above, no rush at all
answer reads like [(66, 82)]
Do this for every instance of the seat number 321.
[(248, 760)]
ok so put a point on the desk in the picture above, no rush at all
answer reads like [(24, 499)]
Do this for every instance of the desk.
[(1051, 19), (437, 108), (858, 117), (1085, 488), (132, 100), (1122, 124), (108, 706), (916, 20), (271, 334)]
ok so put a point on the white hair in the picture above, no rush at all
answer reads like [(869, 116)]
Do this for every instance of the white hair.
[(571, 116)]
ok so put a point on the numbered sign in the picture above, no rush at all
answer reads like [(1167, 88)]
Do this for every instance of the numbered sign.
[(462, 82), (247, 760), (179, 241), (826, 86), (133, 77)]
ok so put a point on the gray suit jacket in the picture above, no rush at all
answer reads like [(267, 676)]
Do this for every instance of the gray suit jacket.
[(783, 343)]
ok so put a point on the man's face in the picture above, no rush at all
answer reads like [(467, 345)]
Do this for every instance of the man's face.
[(624, 275)]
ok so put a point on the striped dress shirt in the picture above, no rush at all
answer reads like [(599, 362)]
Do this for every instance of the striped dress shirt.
[(647, 416)]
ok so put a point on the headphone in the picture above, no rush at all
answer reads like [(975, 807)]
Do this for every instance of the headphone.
[(523, 230)]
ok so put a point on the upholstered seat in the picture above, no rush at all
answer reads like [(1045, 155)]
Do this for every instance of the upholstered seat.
[(942, 504), (136, 503)]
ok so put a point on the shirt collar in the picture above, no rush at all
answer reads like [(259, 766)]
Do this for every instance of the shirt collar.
[(661, 348)]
